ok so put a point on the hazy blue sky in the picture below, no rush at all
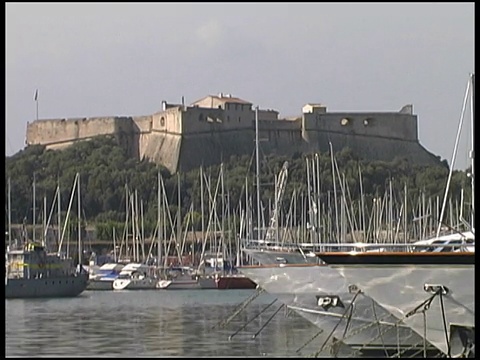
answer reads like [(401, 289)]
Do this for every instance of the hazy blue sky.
[(124, 59)]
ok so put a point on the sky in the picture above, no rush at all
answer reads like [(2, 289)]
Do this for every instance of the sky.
[(112, 59)]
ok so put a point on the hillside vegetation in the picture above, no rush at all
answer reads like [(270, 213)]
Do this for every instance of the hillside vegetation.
[(106, 171)]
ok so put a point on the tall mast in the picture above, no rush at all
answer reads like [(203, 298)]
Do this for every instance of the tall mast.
[(258, 173), (465, 99), (79, 225), (202, 204), (159, 247), (472, 154), (9, 216), (44, 233), (33, 236), (59, 220)]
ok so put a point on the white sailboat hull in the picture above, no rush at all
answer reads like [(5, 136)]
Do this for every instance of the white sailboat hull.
[(401, 288), (304, 287), (134, 284)]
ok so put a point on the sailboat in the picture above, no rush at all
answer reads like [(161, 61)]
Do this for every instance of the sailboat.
[(32, 272)]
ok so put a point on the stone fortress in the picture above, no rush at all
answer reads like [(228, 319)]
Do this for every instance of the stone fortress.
[(216, 127)]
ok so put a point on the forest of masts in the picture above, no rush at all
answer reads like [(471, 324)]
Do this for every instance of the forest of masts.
[(395, 216)]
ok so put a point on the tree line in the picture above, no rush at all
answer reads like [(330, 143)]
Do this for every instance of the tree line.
[(106, 171)]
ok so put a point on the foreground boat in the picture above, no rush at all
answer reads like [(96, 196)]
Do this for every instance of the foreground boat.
[(323, 297), (431, 292), (30, 272)]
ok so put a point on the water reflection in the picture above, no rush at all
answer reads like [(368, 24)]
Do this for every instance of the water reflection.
[(150, 323)]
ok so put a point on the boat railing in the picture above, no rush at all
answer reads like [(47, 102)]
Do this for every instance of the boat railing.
[(433, 245)]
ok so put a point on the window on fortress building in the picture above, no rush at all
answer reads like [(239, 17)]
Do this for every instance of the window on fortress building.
[(239, 119), (162, 121), (200, 117), (228, 118)]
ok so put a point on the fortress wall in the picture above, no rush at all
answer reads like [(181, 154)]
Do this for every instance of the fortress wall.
[(391, 125), (160, 148), (126, 134), (280, 136), (50, 132), (211, 148), (168, 121), (267, 115), (281, 142), (280, 125), (375, 148), (195, 119), (143, 123), (90, 127)]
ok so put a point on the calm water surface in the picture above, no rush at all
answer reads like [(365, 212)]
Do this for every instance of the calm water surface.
[(159, 323)]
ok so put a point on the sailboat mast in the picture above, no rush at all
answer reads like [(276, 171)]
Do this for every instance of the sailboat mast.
[(59, 220), (44, 240), (472, 172), (159, 247), (79, 225), (9, 216), (202, 205), (114, 246), (257, 173), (179, 218), (33, 236)]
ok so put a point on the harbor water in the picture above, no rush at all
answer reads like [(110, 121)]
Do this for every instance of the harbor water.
[(155, 323)]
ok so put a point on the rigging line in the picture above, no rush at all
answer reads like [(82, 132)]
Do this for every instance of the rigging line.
[(253, 318), (379, 328), (424, 333), (425, 304), (445, 325), (349, 319), (338, 323), (309, 341), (268, 321), (450, 173)]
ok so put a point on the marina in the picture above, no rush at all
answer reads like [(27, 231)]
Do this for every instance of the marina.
[(244, 180)]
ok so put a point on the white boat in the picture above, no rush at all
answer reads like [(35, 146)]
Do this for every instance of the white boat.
[(103, 277), (179, 284), (185, 278), (135, 276), (431, 292), (320, 295)]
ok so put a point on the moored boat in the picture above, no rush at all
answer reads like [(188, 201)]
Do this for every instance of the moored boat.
[(31, 272)]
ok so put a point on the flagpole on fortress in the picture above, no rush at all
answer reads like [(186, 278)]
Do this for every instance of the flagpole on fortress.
[(36, 101)]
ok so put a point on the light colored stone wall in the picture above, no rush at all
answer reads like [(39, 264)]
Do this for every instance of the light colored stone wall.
[(161, 148), (200, 120), (182, 137), (168, 121), (144, 124), (392, 125), (52, 132)]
